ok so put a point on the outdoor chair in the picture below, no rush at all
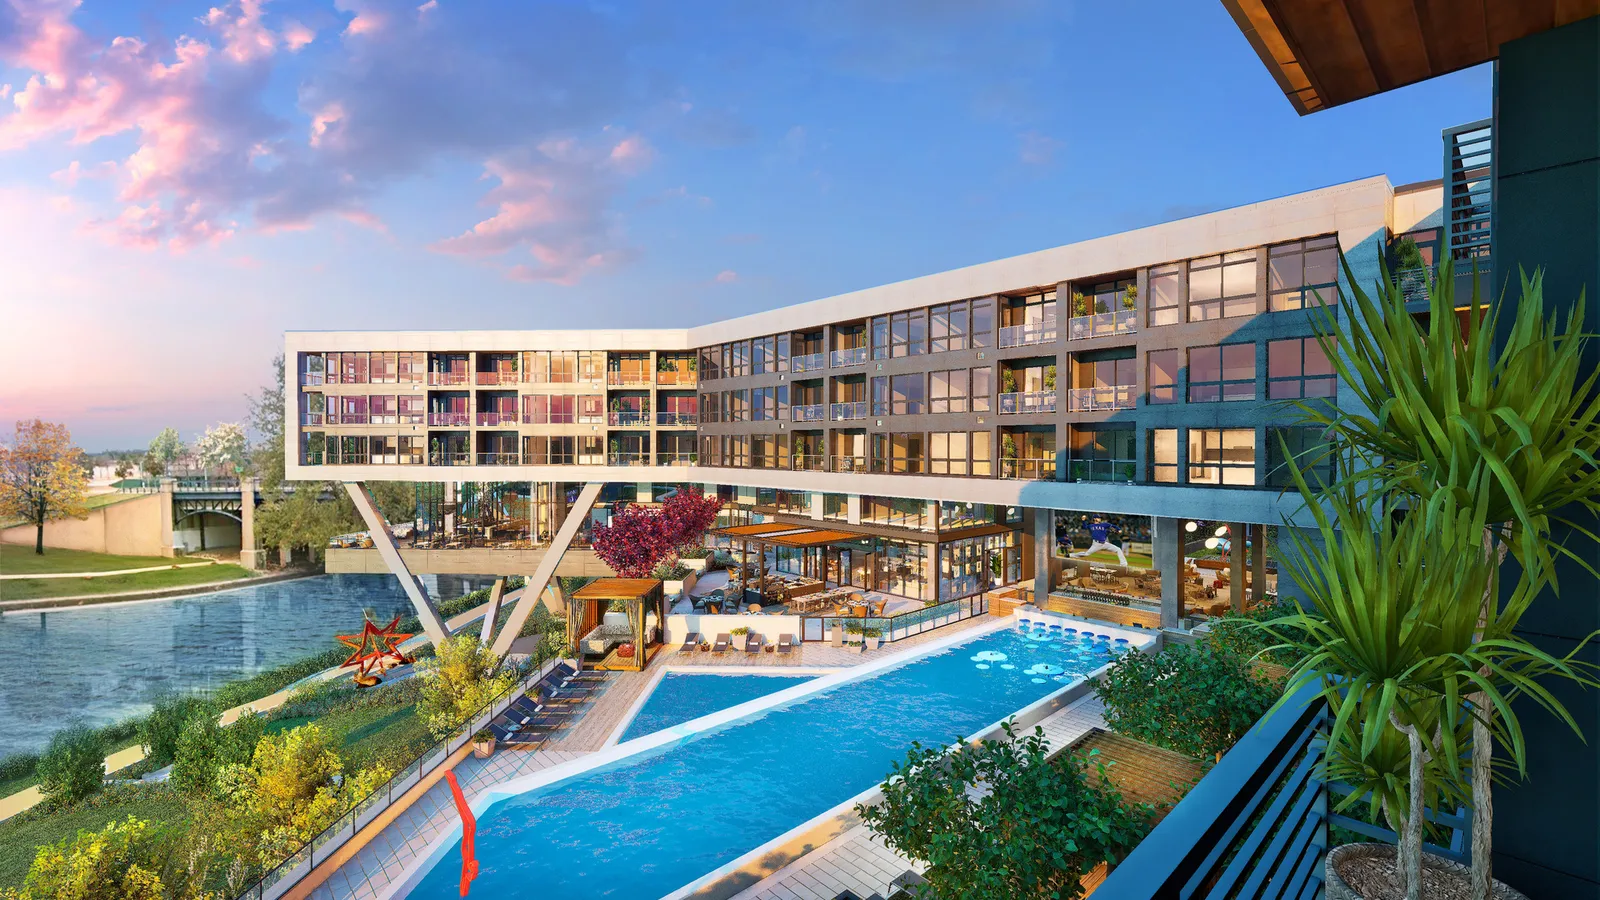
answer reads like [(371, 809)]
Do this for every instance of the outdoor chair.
[(722, 644), (752, 643), (785, 643), (691, 642)]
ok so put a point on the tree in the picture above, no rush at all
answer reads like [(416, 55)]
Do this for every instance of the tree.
[(304, 519), (1002, 819), (1193, 700), (460, 679), (171, 713), (638, 537), (204, 748), (73, 766), (124, 468), (223, 447), (266, 420), (687, 516), (164, 450), (40, 477)]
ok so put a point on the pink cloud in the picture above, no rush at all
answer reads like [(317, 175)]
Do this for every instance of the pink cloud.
[(244, 38), (727, 276), (297, 35), (76, 171)]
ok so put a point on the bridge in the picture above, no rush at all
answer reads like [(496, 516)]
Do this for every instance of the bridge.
[(187, 502)]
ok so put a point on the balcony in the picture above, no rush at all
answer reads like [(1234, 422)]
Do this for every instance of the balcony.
[(498, 459), (1120, 470), (677, 378), (446, 378), (335, 418), (443, 458), (449, 420), (628, 418), (677, 459), (497, 378), (809, 412), (854, 356), (677, 418), (844, 412), (496, 419), (808, 462), (1040, 332), (628, 379), (1021, 402), (810, 362), (310, 379), (1043, 469), (311, 418), (627, 459), (1117, 396), (849, 463), (1123, 321)]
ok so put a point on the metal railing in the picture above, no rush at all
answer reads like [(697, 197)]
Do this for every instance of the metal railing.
[(809, 362), (808, 462), (499, 459), (441, 458), (1041, 469), (1121, 321), (337, 418), (1116, 396), (311, 418), (678, 378), (843, 412), (447, 378), (849, 463), (280, 879), (310, 379), (641, 379), (628, 417), (627, 459), (1018, 402), (665, 417), (851, 356), (1124, 470), (809, 412), (449, 419), (1040, 332), (494, 419)]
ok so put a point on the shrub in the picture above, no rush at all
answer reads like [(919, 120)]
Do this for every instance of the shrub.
[(159, 731), (263, 684), (458, 682), (1194, 700), (205, 747), (123, 860), (73, 766), (18, 765), (1002, 819)]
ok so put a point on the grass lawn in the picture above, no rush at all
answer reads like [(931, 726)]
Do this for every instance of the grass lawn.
[(42, 588), (9, 786), (94, 502), (19, 842), (19, 559), (391, 733)]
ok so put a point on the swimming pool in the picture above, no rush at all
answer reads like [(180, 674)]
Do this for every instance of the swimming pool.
[(656, 820), (681, 696)]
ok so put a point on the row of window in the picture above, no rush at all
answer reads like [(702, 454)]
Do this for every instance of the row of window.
[(1296, 368), (534, 367)]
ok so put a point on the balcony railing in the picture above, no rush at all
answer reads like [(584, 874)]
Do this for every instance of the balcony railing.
[(445, 458), (809, 412), (449, 419), (497, 378), (849, 463), (843, 412), (412, 418), (335, 418), (447, 378), (1122, 321), (496, 419), (809, 362), (1121, 470), (627, 459), (677, 459), (854, 356), (1117, 396), (1031, 469), (628, 417), (1040, 332), (498, 459), (808, 462), (677, 418), (628, 379), (311, 418), (1028, 402), (677, 378), (310, 379)]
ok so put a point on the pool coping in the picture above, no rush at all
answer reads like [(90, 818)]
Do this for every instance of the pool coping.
[(672, 669), (440, 846)]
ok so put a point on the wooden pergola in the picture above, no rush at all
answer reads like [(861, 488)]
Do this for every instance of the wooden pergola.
[(778, 534), (586, 611)]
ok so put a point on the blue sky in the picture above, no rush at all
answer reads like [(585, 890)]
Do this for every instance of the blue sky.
[(179, 184)]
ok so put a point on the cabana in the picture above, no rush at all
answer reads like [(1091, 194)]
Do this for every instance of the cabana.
[(622, 641)]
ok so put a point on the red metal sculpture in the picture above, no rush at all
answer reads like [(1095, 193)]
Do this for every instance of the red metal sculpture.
[(376, 650)]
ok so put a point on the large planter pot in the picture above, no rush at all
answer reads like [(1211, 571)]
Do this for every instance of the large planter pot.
[(1336, 888), (674, 588), (698, 565), (483, 749)]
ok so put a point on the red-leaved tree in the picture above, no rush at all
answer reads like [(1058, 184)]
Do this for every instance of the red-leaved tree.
[(688, 515), (639, 537)]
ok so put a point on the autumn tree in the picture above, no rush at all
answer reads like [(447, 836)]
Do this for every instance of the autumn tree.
[(639, 537), (41, 478)]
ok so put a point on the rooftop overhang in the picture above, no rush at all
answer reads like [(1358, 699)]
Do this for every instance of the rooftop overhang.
[(1327, 52)]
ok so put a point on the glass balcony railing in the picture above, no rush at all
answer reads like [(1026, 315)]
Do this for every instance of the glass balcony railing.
[(677, 418), (496, 419), (311, 418), (810, 362), (627, 459), (1040, 469), (843, 412), (310, 379), (628, 379), (498, 459), (1123, 321), (349, 418), (849, 463), (449, 458), (809, 412), (853, 356), (497, 378), (627, 417), (808, 462), (677, 378), (1040, 332), (1118, 470), (447, 378), (677, 459), (449, 419), (1020, 402), (1116, 396)]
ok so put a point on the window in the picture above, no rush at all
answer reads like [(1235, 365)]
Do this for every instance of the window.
[(1308, 447), (982, 453), (710, 408), (906, 394), (1102, 453), (1221, 287), (768, 451), (763, 356), (898, 512), (947, 327), (947, 392), (880, 395), (982, 330), (880, 337), (383, 450), (591, 450), (947, 453), (736, 406), (1165, 294), (411, 451), (711, 363), (780, 363), (591, 409), (411, 409), (382, 409), (982, 388), (1303, 273), (385, 368), (908, 333), (1227, 372), (1225, 456), (1164, 455), (1163, 376), (1298, 368), (835, 506), (550, 409), (906, 453)]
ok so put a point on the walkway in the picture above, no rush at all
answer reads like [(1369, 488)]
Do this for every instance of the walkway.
[(857, 861)]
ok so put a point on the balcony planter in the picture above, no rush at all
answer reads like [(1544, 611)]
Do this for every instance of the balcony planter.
[(683, 586), (1451, 874), (698, 565), (483, 744)]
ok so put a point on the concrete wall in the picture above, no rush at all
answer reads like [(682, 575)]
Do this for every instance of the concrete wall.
[(127, 528), (709, 627), (575, 563)]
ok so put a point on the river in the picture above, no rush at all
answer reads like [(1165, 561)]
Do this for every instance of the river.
[(101, 664)]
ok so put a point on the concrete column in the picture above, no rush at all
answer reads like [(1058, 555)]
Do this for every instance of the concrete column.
[(852, 509), (547, 567), (1166, 537), (495, 594), (249, 556), (1237, 532), (168, 485), (816, 505), (432, 624), (1258, 563), (1044, 537)]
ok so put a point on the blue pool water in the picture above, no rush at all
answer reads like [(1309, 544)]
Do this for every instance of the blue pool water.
[(101, 664), (681, 696), (656, 821)]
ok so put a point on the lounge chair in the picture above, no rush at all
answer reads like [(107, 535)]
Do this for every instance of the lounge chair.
[(691, 642), (752, 643), (785, 643), (722, 644)]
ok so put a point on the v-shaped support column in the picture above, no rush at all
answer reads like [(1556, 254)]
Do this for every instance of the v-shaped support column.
[(495, 594), (534, 589), (432, 625)]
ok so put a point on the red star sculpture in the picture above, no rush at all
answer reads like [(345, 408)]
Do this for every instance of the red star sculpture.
[(372, 647)]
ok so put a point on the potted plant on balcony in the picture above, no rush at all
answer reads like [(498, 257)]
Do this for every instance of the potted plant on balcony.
[(483, 742), (871, 636)]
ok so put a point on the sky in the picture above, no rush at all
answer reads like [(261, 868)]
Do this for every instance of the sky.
[(180, 183)]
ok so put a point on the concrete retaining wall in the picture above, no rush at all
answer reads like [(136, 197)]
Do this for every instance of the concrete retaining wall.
[(129, 527)]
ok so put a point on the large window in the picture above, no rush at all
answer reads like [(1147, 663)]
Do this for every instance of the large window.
[(1303, 273), (900, 452), (880, 337), (1102, 453), (1226, 372), (982, 389), (736, 406), (947, 391), (769, 403), (1310, 450), (550, 409), (1163, 376), (982, 331), (1222, 456), (1165, 294), (908, 333), (1298, 368), (711, 408), (896, 512), (906, 395), (947, 453), (769, 451), (948, 327), (1222, 287), (1164, 455), (880, 395)]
